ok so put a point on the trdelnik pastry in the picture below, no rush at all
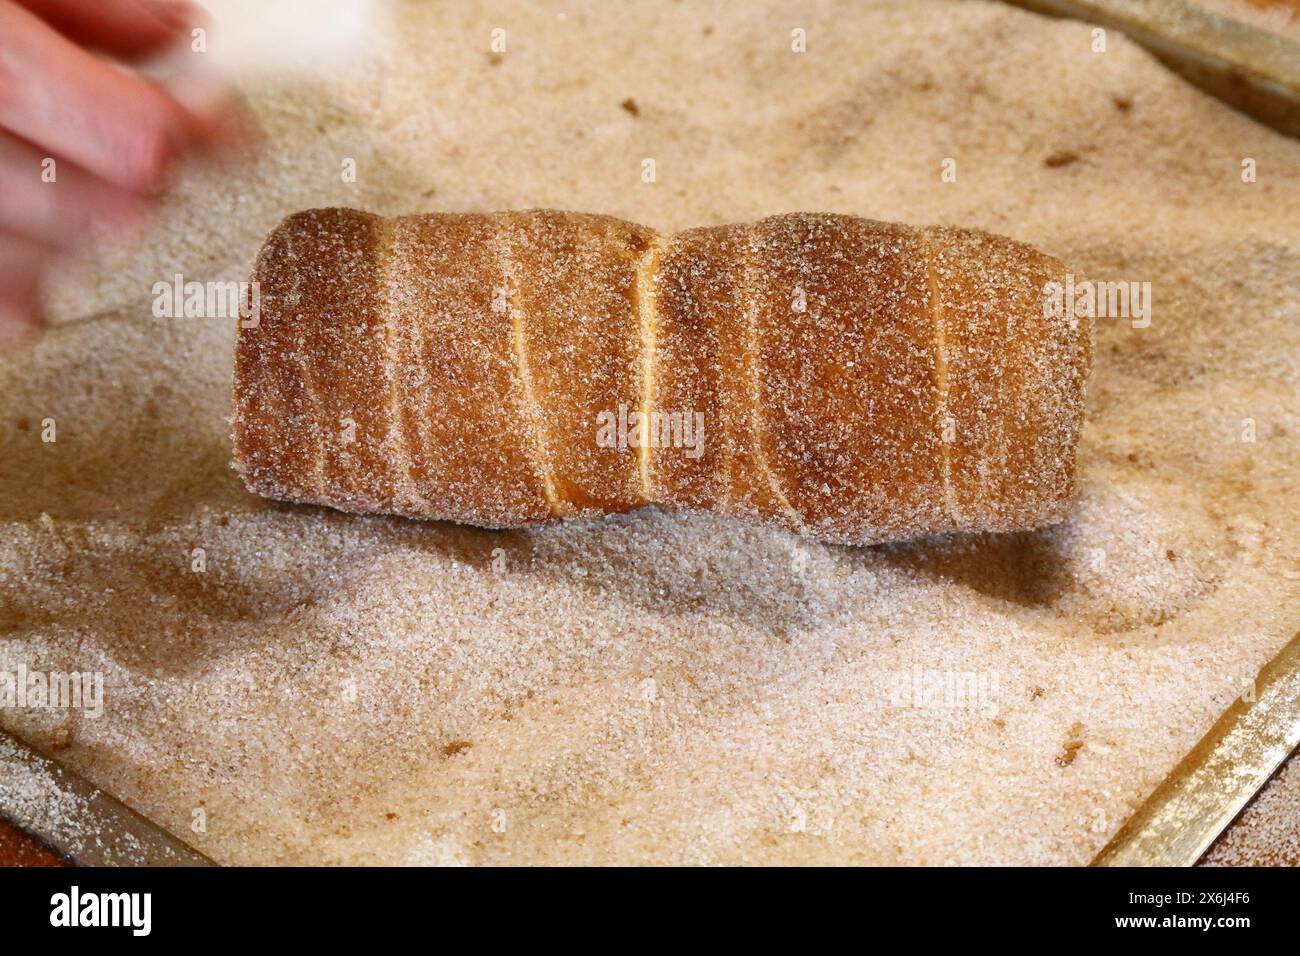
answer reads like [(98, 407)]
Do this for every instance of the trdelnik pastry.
[(857, 381)]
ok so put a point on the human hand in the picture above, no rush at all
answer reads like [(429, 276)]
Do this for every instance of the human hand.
[(84, 138)]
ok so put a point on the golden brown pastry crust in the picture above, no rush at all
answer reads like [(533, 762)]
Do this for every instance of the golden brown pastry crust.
[(857, 381)]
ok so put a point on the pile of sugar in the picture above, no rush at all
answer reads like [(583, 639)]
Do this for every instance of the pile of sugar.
[(664, 687)]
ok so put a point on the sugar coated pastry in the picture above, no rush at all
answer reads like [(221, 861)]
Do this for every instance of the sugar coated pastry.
[(851, 380)]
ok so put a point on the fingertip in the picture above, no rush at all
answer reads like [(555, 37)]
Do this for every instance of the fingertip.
[(234, 126), (178, 15), (20, 327), (129, 216), (210, 109), (172, 15), (147, 160)]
